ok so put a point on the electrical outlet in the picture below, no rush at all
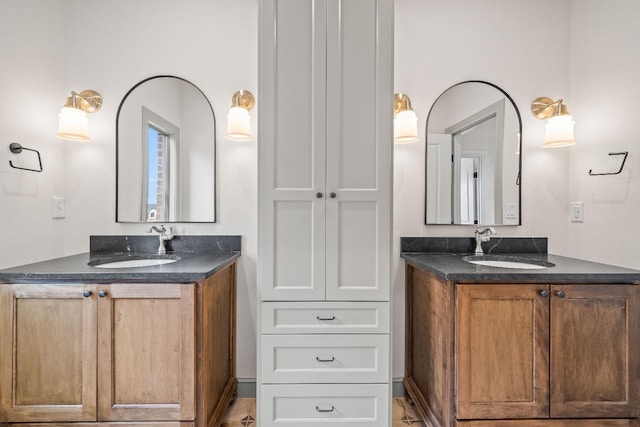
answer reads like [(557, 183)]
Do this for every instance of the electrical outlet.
[(57, 207), (577, 212)]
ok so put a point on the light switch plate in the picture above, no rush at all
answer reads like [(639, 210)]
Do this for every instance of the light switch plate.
[(57, 207), (577, 212), (510, 211)]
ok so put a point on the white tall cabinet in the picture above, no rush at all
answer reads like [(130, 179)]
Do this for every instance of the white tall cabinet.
[(325, 160)]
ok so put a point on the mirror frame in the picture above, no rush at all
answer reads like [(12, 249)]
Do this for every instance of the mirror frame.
[(518, 178), (124, 98)]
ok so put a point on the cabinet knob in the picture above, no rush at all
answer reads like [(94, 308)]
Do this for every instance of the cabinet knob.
[(102, 294), (544, 293), (560, 294), (319, 409), (333, 195), (86, 293), (319, 195)]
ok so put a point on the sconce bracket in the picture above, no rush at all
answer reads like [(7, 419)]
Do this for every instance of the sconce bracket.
[(401, 102), (244, 99), (87, 100), (542, 108)]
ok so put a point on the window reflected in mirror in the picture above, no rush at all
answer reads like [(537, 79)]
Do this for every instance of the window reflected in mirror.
[(165, 153)]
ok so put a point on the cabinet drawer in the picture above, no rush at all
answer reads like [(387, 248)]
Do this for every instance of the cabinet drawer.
[(325, 317), (325, 359), (352, 405)]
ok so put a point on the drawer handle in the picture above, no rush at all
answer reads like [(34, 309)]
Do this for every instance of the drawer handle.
[(326, 319), (333, 359), (325, 410)]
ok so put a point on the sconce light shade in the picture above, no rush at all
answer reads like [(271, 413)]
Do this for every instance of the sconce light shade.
[(559, 132), (405, 122), (73, 123), (238, 118), (559, 127)]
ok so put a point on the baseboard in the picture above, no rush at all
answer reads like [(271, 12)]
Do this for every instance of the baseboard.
[(247, 388)]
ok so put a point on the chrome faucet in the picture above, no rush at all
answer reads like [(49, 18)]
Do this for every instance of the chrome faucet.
[(163, 237), (482, 235)]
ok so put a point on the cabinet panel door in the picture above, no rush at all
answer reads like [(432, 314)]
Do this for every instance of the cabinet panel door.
[(359, 144), (595, 351), (502, 348), (292, 149), (146, 352), (47, 353)]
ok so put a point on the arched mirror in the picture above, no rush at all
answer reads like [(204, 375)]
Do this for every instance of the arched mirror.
[(165, 153), (473, 157)]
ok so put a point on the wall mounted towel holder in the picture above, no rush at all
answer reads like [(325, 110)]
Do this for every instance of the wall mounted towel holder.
[(17, 149), (622, 153)]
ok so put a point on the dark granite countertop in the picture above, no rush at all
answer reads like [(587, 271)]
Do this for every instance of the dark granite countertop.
[(447, 263), (200, 257)]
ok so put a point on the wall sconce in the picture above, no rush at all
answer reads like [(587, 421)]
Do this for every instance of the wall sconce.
[(239, 119), (73, 121), (559, 128), (405, 121)]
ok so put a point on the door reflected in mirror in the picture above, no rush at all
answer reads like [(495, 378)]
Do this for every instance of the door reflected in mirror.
[(165, 153), (473, 157)]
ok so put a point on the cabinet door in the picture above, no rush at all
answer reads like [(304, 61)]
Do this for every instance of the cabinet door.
[(292, 149), (595, 351), (146, 352), (359, 144), (502, 350), (47, 353), (325, 149)]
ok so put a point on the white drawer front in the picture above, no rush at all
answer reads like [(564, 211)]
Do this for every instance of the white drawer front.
[(352, 405), (325, 317), (325, 359)]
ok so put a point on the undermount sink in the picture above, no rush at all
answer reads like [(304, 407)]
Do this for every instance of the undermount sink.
[(132, 261), (506, 261)]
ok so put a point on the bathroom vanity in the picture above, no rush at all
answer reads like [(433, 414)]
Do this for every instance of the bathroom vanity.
[(155, 345), (505, 347)]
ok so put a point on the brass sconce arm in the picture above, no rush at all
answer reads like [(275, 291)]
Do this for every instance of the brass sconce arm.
[(87, 100), (544, 108)]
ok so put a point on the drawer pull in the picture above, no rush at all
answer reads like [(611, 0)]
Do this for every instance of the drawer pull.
[(325, 410), (333, 359), (326, 319)]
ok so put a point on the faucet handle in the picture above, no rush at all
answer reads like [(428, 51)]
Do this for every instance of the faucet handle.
[(485, 231), (153, 228)]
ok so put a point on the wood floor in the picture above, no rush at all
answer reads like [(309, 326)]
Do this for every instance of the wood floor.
[(242, 413)]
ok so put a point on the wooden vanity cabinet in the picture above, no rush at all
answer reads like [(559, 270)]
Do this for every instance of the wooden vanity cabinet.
[(124, 352), (507, 355)]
